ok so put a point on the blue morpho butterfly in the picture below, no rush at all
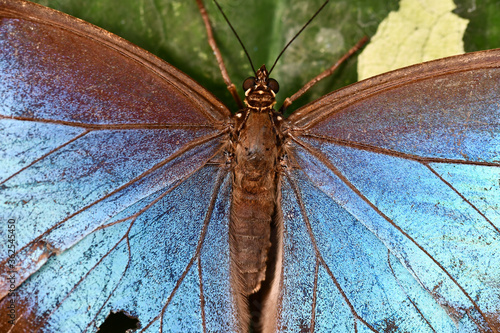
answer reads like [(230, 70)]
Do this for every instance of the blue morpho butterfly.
[(119, 179)]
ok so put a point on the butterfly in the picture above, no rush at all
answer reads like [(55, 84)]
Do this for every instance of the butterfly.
[(117, 189)]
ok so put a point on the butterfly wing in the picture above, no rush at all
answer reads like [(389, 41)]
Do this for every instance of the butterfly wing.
[(391, 221), (111, 177)]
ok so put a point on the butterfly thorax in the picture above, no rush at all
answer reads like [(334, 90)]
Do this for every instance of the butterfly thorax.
[(256, 148)]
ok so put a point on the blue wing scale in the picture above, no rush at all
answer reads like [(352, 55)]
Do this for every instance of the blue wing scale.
[(116, 267), (420, 173)]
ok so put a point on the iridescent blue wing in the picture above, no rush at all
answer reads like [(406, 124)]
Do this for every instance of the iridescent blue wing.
[(107, 181), (392, 215)]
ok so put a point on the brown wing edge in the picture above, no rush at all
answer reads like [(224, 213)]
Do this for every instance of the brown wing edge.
[(316, 111), (210, 106)]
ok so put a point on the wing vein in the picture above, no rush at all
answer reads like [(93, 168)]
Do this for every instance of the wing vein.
[(315, 295), (125, 236), (122, 276), (404, 292), (46, 155), (318, 253), (178, 153), (462, 197), (393, 153), (332, 168), (220, 179), (111, 126)]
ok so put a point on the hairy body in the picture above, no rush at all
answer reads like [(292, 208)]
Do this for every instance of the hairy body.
[(256, 150)]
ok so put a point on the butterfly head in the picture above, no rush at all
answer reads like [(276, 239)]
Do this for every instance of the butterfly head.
[(260, 91)]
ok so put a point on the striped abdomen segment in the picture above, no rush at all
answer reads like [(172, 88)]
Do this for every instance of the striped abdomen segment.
[(250, 230)]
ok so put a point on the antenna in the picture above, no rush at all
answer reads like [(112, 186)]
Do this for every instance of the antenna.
[(297, 34), (238, 37)]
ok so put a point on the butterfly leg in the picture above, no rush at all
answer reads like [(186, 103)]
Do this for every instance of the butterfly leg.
[(289, 100), (211, 40)]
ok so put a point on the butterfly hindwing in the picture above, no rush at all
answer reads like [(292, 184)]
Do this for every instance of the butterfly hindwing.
[(347, 281), (143, 264)]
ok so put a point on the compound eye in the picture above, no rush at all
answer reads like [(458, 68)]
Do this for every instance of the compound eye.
[(248, 83), (273, 84)]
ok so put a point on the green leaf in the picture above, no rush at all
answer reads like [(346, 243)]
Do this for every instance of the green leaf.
[(174, 31), (419, 31)]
